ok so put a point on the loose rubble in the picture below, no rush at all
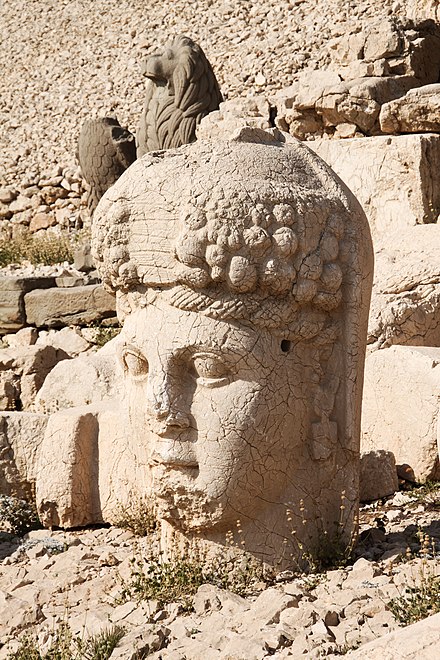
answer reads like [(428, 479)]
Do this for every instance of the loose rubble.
[(76, 577)]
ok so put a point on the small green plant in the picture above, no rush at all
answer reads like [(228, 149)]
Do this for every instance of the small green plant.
[(164, 581), (428, 493), (48, 250), (19, 516), (105, 334), (66, 646), (422, 598), (418, 601), (330, 550), (138, 516), (178, 579)]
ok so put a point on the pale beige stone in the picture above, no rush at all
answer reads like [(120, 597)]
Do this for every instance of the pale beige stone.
[(70, 306), (234, 114), (400, 408), (81, 381), (88, 466), (21, 435), (359, 101), (12, 290), (420, 641), (371, 167), (405, 303), (24, 337), (67, 339), (24, 370), (240, 358), (378, 475), (418, 111)]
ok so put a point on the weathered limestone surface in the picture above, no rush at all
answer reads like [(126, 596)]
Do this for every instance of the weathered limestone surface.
[(420, 641), (12, 290), (88, 449), (25, 369), (405, 304), (378, 475), (371, 167), (81, 381), (400, 408), (21, 435), (418, 111), (256, 355), (73, 305)]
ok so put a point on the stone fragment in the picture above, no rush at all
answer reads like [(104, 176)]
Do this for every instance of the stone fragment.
[(141, 643), (41, 221), (267, 609), (209, 598), (405, 305), (383, 39), (7, 195), (234, 114), (24, 337), (359, 101), (401, 408), (84, 380), (67, 496), (83, 260), (378, 477), (419, 641), (9, 390), (68, 306), (21, 435), (21, 203), (68, 340), (370, 169), (12, 291), (418, 111)]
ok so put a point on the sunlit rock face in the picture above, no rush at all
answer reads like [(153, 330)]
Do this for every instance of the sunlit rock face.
[(243, 271)]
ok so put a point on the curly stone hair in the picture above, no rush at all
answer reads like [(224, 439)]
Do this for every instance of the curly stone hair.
[(270, 253)]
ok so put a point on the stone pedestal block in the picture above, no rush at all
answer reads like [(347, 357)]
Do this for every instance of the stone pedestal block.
[(401, 406), (12, 290), (396, 179), (21, 434), (78, 305)]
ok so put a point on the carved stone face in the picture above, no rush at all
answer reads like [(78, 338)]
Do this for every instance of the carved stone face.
[(221, 407)]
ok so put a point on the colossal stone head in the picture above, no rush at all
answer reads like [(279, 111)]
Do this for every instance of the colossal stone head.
[(243, 271)]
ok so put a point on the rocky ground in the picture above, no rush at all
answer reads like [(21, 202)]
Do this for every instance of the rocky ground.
[(64, 61), (50, 578)]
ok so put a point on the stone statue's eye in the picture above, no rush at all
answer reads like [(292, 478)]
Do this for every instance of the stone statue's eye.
[(210, 367), (135, 363)]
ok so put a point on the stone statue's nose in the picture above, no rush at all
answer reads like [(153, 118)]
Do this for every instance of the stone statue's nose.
[(163, 398)]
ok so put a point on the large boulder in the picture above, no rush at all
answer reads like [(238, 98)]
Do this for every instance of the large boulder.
[(405, 305), (23, 370), (21, 435), (416, 112), (79, 305), (12, 291), (371, 167), (83, 380), (401, 406)]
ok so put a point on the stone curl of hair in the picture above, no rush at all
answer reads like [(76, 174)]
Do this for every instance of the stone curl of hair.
[(236, 261)]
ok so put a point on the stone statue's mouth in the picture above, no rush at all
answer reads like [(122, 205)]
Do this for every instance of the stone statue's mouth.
[(172, 460)]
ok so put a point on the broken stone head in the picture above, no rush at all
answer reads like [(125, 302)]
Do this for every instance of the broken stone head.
[(243, 271)]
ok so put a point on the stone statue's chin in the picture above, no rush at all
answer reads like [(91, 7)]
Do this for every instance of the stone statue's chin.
[(181, 502)]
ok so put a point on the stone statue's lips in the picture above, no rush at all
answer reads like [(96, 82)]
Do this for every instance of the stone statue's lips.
[(173, 453)]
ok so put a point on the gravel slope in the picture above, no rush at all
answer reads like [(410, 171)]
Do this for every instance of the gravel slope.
[(63, 61)]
